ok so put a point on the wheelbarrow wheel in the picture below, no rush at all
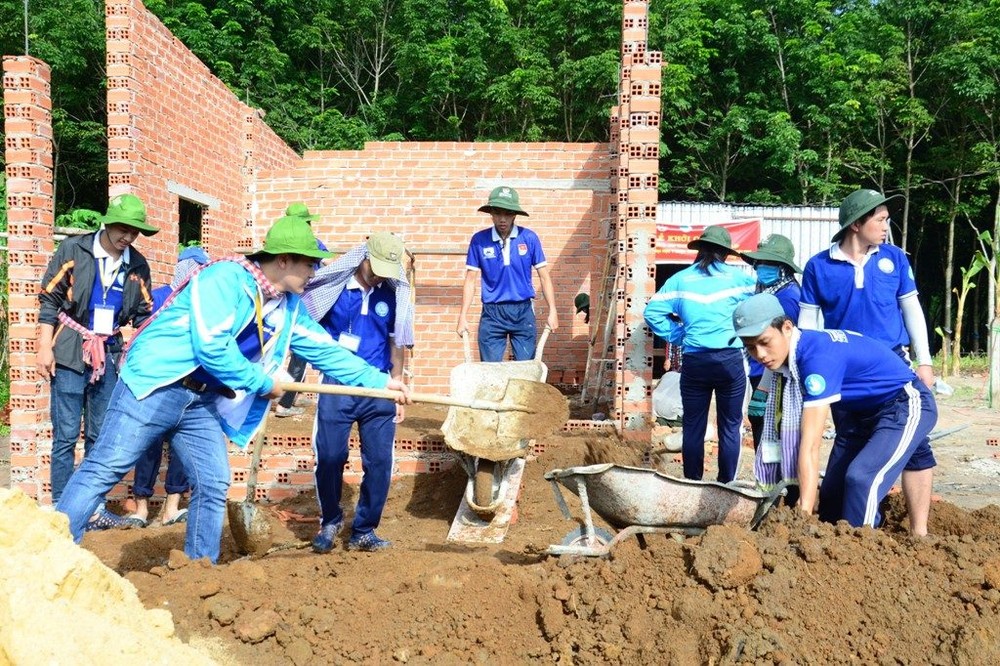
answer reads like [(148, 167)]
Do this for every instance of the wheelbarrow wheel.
[(482, 483), (578, 537)]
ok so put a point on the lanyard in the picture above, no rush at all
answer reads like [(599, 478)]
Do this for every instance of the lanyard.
[(105, 283), (259, 310)]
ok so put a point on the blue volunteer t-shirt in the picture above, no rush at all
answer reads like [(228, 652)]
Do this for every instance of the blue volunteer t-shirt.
[(863, 299), (505, 265), (846, 367), (371, 319)]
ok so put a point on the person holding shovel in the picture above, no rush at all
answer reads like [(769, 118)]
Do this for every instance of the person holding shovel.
[(864, 284), (94, 286), (884, 412), (503, 257), (207, 364), (362, 300)]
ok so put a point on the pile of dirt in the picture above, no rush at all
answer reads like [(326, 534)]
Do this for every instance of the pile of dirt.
[(61, 605), (794, 591)]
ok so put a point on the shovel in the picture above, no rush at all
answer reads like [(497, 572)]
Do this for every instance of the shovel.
[(247, 522), (532, 409)]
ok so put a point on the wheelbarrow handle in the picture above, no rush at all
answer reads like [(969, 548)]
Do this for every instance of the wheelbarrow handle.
[(388, 394)]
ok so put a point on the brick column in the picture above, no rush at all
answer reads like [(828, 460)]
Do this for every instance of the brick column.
[(637, 118), (30, 215), (122, 137)]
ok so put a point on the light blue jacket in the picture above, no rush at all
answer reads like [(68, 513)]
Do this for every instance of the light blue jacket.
[(199, 328), (704, 305)]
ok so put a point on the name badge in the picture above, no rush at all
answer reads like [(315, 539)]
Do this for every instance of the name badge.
[(349, 342), (770, 451), (104, 320)]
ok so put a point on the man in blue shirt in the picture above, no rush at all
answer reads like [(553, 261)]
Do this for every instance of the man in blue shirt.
[(208, 363), (362, 319), (504, 256), (866, 285), (884, 411)]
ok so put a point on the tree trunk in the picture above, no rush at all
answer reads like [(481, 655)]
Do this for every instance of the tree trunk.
[(955, 337)]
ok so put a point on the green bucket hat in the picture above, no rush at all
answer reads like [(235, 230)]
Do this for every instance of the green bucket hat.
[(129, 210), (290, 235), (299, 209), (385, 254), (775, 248), (714, 235), (505, 198), (856, 205)]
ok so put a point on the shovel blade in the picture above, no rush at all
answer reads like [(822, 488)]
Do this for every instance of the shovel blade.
[(249, 526)]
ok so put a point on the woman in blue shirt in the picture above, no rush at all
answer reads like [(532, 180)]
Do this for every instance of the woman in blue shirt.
[(694, 309)]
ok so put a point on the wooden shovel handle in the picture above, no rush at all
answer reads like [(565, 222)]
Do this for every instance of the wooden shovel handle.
[(388, 394)]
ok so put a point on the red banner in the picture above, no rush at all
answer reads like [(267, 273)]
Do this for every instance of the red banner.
[(672, 240)]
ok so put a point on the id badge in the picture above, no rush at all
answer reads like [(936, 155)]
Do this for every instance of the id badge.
[(349, 341), (770, 451), (104, 320)]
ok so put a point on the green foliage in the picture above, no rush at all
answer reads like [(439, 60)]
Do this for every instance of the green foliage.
[(80, 218)]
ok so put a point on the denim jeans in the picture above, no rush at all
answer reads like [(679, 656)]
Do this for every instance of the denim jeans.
[(377, 431), (499, 321), (74, 397), (190, 421), (148, 468)]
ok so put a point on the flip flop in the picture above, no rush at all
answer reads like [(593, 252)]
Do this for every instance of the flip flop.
[(181, 517), (136, 521)]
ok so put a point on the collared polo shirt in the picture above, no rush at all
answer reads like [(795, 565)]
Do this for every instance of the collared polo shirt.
[(506, 265), (861, 297), (370, 315), (109, 280), (846, 368)]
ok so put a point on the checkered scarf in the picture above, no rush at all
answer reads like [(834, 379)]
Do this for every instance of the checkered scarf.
[(785, 431), (329, 283), (265, 285)]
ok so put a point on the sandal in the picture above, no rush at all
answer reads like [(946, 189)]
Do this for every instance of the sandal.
[(136, 521), (181, 517), (105, 520)]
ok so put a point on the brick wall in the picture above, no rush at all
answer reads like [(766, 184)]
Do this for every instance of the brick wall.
[(30, 217), (173, 127)]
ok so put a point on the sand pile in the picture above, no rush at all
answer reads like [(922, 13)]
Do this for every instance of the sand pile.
[(60, 605)]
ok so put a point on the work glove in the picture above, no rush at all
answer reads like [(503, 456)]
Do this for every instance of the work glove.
[(758, 402)]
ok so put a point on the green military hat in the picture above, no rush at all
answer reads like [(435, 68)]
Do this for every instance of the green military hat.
[(129, 210), (504, 198), (775, 248), (856, 205), (713, 235)]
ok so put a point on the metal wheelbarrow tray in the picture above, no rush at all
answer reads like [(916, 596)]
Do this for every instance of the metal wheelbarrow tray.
[(640, 501)]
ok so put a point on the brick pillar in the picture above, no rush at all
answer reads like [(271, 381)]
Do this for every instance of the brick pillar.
[(122, 138), (30, 216), (637, 118)]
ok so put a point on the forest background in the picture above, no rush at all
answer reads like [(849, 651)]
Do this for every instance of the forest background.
[(790, 101)]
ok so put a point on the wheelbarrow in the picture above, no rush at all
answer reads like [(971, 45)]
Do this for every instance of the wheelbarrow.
[(486, 444), (640, 501)]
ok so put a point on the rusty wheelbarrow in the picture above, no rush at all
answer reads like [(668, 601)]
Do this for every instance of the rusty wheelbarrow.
[(487, 444), (641, 501)]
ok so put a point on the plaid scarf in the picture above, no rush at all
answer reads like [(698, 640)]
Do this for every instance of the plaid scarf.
[(782, 422), (263, 283), (783, 282), (329, 283)]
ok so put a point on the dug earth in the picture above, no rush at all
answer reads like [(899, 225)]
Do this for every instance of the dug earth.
[(795, 591)]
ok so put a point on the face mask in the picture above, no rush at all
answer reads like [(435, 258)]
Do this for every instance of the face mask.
[(768, 275)]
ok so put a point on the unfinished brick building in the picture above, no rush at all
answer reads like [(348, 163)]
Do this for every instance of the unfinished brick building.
[(180, 140)]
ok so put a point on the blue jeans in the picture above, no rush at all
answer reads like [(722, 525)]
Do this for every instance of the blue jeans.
[(499, 321), (723, 372), (191, 423), (377, 429), (148, 468), (72, 397)]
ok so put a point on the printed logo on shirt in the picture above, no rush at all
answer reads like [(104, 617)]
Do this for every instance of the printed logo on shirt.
[(489, 252), (120, 279), (886, 266), (837, 336), (815, 384), (382, 309), (522, 249), (911, 273)]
